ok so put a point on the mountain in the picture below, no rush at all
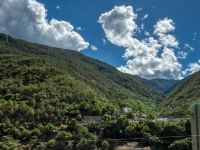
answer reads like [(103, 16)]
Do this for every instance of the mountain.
[(47, 94), (67, 75), (162, 85), (186, 94)]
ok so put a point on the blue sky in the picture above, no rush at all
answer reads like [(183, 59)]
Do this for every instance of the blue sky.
[(84, 16), (184, 13)]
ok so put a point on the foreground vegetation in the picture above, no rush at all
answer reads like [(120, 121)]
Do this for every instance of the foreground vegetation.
[(71, 135)]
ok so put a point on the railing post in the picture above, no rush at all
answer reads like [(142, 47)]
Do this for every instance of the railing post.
[(196, 127)]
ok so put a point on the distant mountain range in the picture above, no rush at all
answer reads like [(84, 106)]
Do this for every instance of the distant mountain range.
[(163, 85)]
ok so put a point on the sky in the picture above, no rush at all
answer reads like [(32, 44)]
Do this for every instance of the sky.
[(149, 38)]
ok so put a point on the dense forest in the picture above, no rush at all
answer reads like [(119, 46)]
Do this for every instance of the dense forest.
[(46, 92)]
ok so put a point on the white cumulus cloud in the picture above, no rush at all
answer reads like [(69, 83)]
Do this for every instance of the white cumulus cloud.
[(192, 68), (162, 30), (164, 26), (149, 58), (27, 19), (118, 25)]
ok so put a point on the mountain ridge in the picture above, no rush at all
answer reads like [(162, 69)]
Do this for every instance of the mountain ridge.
[(104, 78), (185, 95), (166, 86)]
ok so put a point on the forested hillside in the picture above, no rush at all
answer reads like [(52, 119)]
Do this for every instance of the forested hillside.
[(185, 95), (45, 92), (103, 78)]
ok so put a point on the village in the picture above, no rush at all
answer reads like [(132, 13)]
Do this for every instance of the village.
[(134, 118), (120, 113)]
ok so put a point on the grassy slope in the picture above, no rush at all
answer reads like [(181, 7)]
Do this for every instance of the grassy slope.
[(185, 95)]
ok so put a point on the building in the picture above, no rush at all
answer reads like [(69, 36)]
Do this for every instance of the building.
[(91, 119)]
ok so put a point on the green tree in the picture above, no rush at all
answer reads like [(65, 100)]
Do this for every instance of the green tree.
[(105, 145), (184, 144)]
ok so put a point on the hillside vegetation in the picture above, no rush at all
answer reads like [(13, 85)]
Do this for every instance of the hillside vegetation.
[(103, 78), (45, 93), (185, 95), (44, 84)]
